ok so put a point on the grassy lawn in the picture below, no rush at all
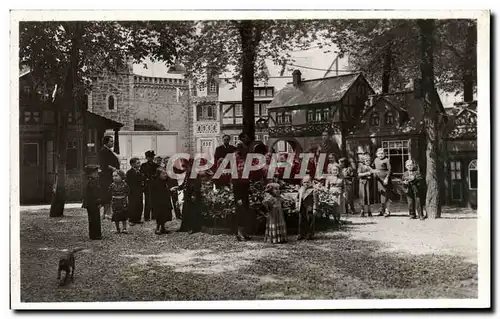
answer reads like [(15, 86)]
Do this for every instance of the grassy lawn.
[(360, 261)]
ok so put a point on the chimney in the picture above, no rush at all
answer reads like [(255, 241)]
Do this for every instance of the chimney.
[(297, 78)]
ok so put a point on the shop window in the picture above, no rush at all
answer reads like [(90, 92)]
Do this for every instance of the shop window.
[(473, 175)]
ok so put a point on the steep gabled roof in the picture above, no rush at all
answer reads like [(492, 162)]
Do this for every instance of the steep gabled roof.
[(316, 91)]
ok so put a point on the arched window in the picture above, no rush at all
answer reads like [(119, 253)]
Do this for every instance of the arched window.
[(389, 118), (473, 174), (374, 119), (111, 102)]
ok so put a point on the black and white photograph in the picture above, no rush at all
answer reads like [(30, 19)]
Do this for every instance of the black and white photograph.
[(273, 159)]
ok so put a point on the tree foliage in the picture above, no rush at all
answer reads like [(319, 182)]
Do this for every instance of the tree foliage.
[(366, 42), (69, 54), (103, 46), (217, 44)]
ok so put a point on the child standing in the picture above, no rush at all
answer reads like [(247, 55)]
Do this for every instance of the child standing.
[(383, 178), (275, 224), (135, 181), (412, 181), (162, 205), (92, 201), (365, 184), (348, 174), (119, 191), (307, 201), (335, 184)]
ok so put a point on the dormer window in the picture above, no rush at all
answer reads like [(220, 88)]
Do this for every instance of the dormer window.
[(389, 118), (374, 119)]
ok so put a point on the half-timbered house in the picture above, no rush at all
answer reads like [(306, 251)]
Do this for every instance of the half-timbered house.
[(304, 109)]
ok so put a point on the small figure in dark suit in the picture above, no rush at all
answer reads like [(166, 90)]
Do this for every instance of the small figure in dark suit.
[(413, 184), (135, 181), (92, 201), (148, 170), (307, 202)]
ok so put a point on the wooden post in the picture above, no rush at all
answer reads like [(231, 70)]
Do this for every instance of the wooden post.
[(116, 146)]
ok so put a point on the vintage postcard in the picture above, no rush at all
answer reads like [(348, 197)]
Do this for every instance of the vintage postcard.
[(250, 159)]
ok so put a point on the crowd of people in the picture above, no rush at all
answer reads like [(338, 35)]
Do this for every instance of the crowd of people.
[(147, 192)]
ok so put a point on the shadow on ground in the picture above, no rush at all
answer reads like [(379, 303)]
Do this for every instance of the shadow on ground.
[(143, 266)]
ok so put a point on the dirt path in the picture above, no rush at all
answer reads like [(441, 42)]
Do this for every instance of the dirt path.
[(369, 258)]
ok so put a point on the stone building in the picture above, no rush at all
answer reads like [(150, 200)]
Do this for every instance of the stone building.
[(156, 112)]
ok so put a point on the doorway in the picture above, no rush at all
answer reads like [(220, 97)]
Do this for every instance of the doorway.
[(31, 172)]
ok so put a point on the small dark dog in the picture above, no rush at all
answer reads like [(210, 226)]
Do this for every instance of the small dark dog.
[(67, 264)]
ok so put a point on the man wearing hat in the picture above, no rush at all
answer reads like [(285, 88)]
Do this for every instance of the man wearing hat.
[(148, 170)]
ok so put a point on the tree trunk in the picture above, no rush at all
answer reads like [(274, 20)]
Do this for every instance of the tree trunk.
[(433, 203), (67, 103), (470, 62), (387, 68), (249, 47)]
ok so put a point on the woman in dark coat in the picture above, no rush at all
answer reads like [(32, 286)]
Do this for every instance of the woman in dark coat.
[(108, 163), (193, 200), (161, 200), (135, 181)]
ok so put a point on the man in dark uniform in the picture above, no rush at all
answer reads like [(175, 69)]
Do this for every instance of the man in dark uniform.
[(220, 153), (224, 149), (241, 192), (148, 170)]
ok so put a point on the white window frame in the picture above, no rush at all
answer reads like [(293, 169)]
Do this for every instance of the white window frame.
[(472, 167), (263, 109), (235, 139), (213, 87), (240, 108), (256, 109), (387, 146)]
